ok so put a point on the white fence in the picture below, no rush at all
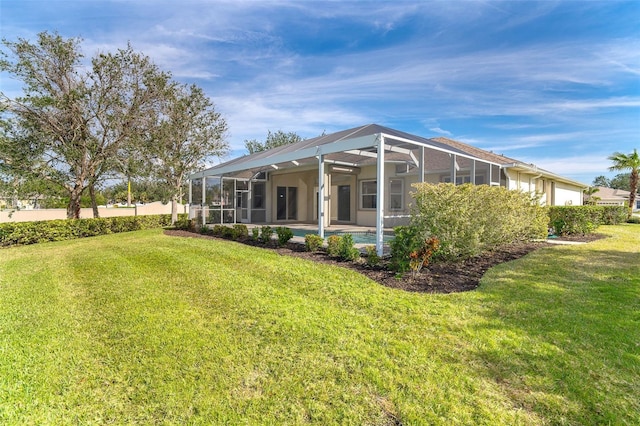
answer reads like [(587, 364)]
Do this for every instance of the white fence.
[(51, 214)]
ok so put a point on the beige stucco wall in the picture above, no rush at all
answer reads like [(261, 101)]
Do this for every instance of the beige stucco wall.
[(52, 214), (567, 195), (551, 191)]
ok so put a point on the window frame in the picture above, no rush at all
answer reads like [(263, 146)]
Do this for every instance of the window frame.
[(392, 194), (363, 194)]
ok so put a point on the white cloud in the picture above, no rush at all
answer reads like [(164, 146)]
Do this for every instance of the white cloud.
[(440, 131)]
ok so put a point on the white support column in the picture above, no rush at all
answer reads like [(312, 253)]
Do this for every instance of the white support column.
[(189, 183), (249, 199), (453, 169), (421, 167), (204, 186), (472, 172), (380, 199), (321, 195)]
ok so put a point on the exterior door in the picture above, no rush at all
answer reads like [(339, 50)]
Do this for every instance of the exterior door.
[(344, 203), (287, 204), (242, 206)]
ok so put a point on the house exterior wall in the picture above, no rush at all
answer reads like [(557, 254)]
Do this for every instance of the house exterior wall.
[(552, 192), (304, 183), (567, 195)]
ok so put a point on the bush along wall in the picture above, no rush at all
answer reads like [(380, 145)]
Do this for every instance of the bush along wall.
[(469, 219), (23, 233), (580, 220)]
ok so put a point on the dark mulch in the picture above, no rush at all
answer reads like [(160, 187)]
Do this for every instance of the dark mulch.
[(440, 277)]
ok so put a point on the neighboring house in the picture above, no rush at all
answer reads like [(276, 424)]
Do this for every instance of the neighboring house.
[(339, 178), (613, 197)]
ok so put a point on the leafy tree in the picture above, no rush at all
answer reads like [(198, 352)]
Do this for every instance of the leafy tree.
[(142, 191), (620, 181), (77, 120), (629, 162), (188, 130), (601, 181), (273, 140), (589, 198)]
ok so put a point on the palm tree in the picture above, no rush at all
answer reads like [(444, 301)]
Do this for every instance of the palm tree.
[(629, 162)]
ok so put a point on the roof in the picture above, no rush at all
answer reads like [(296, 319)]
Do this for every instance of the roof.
[(605, 193), (357, 146), (476, 152), (347, 146)]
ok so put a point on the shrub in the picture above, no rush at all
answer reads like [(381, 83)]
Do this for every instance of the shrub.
[(241, 231), (24, 233), (346, 249), (421, 257), (284, 235), (633, 219), (613, 215), (228, 233), (218, 230), (372, 256), (469, 219), (575, 220), (183, 224), (333, 245), (255, 233), (313, 242), (265, 234), (406, 240)]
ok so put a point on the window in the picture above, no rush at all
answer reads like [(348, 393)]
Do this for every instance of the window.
[(396, 194), (258, 195), (368, 194), (196, 191)]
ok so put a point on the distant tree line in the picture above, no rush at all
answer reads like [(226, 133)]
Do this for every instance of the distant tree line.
[(78, 126), (619, 181)]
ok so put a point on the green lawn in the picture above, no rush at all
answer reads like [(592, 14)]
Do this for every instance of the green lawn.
[(149, 329)]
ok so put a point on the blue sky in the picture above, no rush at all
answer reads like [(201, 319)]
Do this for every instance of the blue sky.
[(556, 84)]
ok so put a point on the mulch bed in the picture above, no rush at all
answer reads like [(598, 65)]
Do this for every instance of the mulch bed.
[(441, 277)]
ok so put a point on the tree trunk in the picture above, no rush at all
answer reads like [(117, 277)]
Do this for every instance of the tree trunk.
[(129, 192), (73, 209), (94, 204), (633, 183), (174, 209)]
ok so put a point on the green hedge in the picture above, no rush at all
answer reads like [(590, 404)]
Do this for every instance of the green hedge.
[(23, 233), (469, 219), (580, 220)]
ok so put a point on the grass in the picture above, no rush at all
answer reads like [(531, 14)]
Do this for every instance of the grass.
[(149, 329)]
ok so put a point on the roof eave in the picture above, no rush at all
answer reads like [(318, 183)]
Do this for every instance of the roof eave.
[(535, 170)]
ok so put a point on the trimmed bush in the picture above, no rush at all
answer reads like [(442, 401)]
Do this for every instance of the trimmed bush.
[(346, 249), (265, 234), (407, 239), (23, 233), (228, 233), (218, 230), (580, 220), (284, 235), (333, 245), (255, 233), (241, 232), (613, 215), (372, 256), (313, 242), (469, 219), (185, 224)]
